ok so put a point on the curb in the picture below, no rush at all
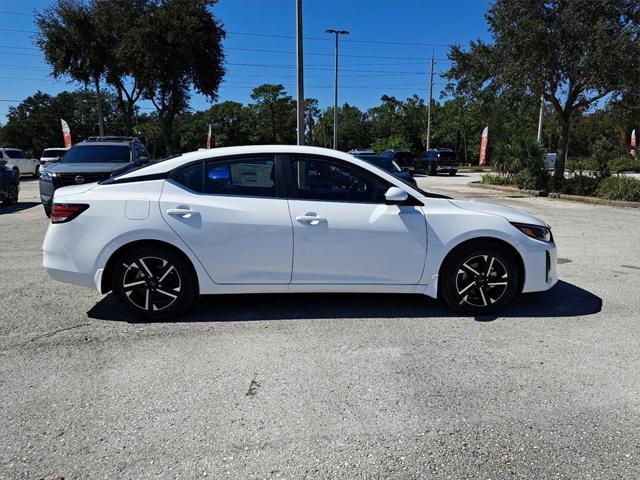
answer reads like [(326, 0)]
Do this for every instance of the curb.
[(560, 196)]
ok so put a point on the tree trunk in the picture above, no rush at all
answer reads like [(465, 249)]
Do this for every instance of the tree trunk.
[(99, 107), (563, 143)]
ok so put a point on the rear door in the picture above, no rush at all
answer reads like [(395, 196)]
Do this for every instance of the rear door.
[(344, 232), (232, 214)]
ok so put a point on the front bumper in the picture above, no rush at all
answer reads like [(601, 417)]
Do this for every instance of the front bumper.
[(541, 265)]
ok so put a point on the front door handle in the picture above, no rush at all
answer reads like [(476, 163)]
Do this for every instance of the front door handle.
[(311, 219), (181, 212)]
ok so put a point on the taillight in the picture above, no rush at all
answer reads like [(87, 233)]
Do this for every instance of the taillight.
[(65, 212)]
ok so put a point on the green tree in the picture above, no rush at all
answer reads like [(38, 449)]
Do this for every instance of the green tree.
[(175, 47), (573, 52), (274, 115), (70, 37), (34, 124)]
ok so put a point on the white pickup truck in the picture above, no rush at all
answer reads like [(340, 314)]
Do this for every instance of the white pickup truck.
[(18, 161)]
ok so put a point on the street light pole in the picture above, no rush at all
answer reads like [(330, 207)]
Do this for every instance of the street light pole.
[(337, 33), (540, 119), (300, 73)]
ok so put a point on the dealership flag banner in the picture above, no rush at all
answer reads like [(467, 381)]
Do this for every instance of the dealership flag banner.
[(633, 142), (66, 133), (483, 146), (209, 137)]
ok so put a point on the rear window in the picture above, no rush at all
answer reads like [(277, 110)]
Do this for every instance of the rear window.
[(53, 153), (98, 154), (447, 155)]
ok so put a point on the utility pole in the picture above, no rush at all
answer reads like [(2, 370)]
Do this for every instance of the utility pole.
[(540, 119), (335, 91), (300, 72), (433, 61)]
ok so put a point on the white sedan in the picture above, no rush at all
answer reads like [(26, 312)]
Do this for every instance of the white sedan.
[(288, 219)]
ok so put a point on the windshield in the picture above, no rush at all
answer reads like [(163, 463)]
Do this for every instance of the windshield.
[(98, 154), (53, 153)]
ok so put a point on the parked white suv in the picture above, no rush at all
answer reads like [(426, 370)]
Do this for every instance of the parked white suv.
[(52, 154), (17, 160)]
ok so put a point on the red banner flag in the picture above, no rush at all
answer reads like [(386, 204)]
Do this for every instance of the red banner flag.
[(209, 137), (66, 133), (483, 146), (633, 143)]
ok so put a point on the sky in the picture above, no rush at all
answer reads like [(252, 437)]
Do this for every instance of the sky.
[(387, 51)]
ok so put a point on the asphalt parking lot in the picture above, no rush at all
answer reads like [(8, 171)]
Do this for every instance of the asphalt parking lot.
[(328, 386)]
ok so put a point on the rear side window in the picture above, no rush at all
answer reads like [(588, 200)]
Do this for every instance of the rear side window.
[(250, 177), (191, 177)]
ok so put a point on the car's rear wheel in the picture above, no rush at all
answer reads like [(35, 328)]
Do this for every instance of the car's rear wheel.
[(36, 172), (12, 194), (153, 283), (479, 278), (453, 172), (433, 171)]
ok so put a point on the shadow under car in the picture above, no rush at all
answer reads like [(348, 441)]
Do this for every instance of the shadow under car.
[(563, 300)]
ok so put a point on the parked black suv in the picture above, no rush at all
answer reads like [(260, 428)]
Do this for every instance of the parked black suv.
[(9, 184), (92, 160), (404, 158), (437, 160)]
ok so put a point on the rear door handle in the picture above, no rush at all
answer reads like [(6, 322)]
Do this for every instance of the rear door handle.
[(181, 212), (312, 219)]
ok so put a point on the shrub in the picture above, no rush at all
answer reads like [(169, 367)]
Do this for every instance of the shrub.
[(576, 185), (620, 188), (493, 179), (580, 164), (626, 163), (532, 179), (518, 153)]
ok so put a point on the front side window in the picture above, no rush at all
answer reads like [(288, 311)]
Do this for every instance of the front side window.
[(325, 180), (250, 177)]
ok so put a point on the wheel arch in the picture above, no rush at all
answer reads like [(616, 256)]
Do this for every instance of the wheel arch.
[(499, 243), (105, 283)]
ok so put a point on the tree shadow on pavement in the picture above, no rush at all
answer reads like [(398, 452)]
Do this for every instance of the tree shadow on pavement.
[(564, 300)]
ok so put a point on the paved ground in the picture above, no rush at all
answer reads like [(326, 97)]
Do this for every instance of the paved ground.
[(329, 386)]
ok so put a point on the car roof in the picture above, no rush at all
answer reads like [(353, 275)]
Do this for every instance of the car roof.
[(102, 143)]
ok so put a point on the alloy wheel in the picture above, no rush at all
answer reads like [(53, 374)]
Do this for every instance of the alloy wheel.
[(12, 194), (151, 283), (481, 281)]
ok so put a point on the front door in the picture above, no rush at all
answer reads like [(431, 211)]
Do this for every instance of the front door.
[(229, 213), (343, 231)]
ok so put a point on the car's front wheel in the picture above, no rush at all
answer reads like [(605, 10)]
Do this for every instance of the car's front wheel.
[(36, 172), (479, 278), (153, 283)]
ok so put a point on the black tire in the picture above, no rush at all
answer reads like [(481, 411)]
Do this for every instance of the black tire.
[(15, 169), (36, 172), (47, 210), (433, 171), (153, 283), (12, 194), (468, 286), (453, 172)]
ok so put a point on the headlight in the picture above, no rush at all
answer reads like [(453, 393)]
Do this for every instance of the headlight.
[(535, 231), (45, 176)]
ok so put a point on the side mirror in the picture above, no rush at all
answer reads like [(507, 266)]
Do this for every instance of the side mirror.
[(395, 196), (143, 160)]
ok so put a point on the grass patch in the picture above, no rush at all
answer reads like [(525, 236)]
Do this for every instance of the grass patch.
[(619, 188)]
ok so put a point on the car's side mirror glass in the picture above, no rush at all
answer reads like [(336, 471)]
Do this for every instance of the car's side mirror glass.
[(395, 196), (144, 160)]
